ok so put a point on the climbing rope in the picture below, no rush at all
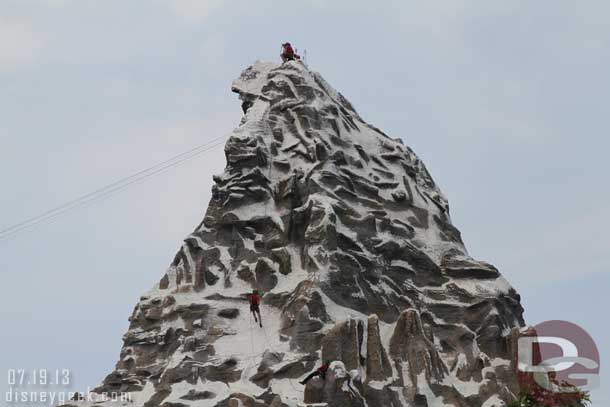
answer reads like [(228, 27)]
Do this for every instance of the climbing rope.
[(253, 355), (110, 189), (271, 347)]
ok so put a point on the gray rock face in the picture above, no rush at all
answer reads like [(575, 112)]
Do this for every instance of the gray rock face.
[(198, 395), (350, 241), (230, 313), (342, 343), (412, 345), (378, 366), (314, 391), (339, 388)]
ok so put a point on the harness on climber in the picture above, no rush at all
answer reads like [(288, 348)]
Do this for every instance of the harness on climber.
[(288, 54), (255, 301)]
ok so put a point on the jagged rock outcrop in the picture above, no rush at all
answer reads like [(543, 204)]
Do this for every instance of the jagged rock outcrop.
[(343, 342), (378, 366), (350, 241)]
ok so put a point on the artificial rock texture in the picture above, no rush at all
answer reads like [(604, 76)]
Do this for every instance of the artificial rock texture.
[(350, 241)]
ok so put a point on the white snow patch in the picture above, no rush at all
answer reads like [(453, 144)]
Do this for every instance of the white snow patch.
[(493, 401)]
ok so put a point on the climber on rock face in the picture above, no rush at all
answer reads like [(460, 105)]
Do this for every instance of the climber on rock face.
[(288, 54), (255, 301), (321, 371)]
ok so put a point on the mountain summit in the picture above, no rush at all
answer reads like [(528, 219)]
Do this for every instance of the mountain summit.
[(349, 241)]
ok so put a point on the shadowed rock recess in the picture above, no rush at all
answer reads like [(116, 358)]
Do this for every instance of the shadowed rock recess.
[(350, 242)]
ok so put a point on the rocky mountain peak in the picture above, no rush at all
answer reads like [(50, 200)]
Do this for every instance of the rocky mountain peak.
[(350, 242)]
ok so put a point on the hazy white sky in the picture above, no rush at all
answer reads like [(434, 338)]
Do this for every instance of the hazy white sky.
[(506, 102)]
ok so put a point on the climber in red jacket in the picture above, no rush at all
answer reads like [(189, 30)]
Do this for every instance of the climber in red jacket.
[(321, 371), (255, 301), (288, 54)]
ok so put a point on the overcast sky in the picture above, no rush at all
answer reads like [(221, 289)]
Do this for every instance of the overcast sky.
[(507, 103)]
